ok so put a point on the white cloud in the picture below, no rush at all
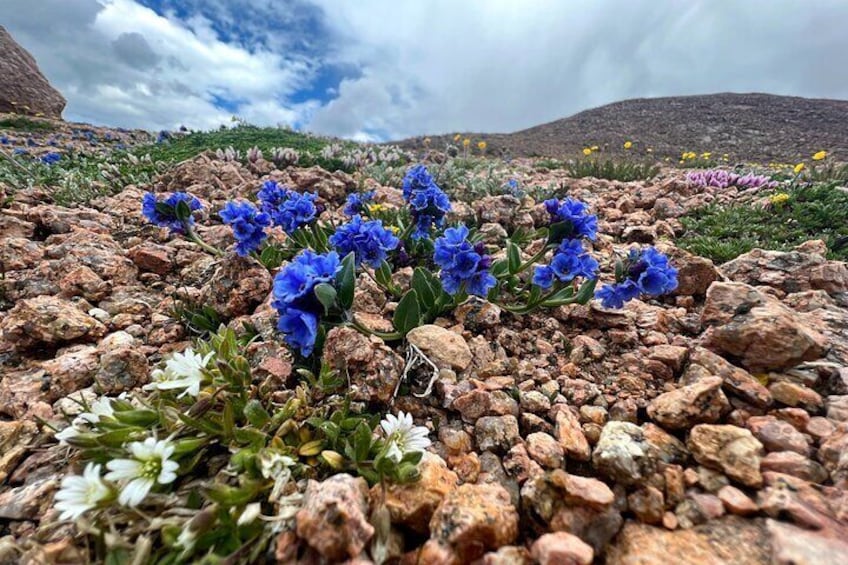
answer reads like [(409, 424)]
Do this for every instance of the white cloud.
[(419, 66)]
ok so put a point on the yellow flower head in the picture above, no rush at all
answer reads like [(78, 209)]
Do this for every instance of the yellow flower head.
[(798, 168), (779, 198), (394, 229), (628, 144), (705, 155), (456, 138), (481, 145), (587, 151), (376, 208), (820, 155), (594, 148), (466, 142)]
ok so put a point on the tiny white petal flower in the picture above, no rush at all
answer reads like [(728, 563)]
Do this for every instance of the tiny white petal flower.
[(66, 434), (250, 513), (78, 494), (100, 408), (182, 371), (150, 464), (403, 436)]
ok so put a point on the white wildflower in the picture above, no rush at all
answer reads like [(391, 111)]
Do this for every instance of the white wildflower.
[(182, 371), (403, 436), (250, 513), (79, 494), (274, 465), (100, 408), (149, 465)]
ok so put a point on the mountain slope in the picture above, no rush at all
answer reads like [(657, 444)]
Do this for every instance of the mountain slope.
[(759, 127)]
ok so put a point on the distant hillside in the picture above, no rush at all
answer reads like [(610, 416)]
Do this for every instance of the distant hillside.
[(759, 127)]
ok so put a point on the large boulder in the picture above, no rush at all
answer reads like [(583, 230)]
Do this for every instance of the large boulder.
[(23, 89)]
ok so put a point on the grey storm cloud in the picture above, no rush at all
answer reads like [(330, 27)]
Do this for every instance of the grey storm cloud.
[(134, 50), (429, 66)]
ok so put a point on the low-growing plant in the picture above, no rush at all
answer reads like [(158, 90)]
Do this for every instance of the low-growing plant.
[(23, 123), (624, 171), (790, 217)]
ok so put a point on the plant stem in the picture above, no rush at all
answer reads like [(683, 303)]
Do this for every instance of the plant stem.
[(387, 336), (192, 236)]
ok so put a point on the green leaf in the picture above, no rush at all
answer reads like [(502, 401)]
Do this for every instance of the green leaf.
[(500, 268), (423, 287), (182, 211), (326, 295), (586, 292), (256, 413), (408, 313), (362, 442), (383, 274), (513, 254), (141, 418), (235, 496), (346, 282), (251, 437), (619, 270), (560, 231)]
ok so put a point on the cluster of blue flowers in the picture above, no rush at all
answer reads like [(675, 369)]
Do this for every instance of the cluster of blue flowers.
[(576, 217), (368, 240), (357, 202), (164, 213), (248, 225), (51, 158), (295, 300), (570, 260), (287, 208), (465, 266), (428, 203), (647, 272)]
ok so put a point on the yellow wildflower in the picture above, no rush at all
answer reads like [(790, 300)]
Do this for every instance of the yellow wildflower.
[(376, 208), (456, 138), (466, 142), (820, 155), (628, 144), (798, 168), (779, 198), (705, 155), (481, 145), (587, 151), (394, 229), (594, 148)]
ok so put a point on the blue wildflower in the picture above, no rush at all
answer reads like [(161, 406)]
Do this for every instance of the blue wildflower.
[(647, 272), (31, 142), (4, 140), (428, 203), (295, 300), (356, 202), (50, 158), (464, 265), (369, 241), (576, 217), (287, 208), (570, 261), (164, 214), (248, 225), (163, 136), (416, 178), (19, 151)]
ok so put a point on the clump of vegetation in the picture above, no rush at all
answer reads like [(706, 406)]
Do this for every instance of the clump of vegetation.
[(624, 171), (799, 213), (22, 123)]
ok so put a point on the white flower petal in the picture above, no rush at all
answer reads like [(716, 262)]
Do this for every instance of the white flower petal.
[(121, 469), (135, 491)]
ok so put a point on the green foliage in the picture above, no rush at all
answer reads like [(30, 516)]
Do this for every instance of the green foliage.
[(22, 123), (722, 233), (611, 170), (77, 178), (241, 138)]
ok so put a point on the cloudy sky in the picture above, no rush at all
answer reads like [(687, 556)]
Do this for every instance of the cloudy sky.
[(383, 69)]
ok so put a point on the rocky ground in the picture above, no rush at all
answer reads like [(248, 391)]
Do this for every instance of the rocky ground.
[(709, 427)]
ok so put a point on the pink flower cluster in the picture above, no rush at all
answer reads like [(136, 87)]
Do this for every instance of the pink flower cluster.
[(723, 179)]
